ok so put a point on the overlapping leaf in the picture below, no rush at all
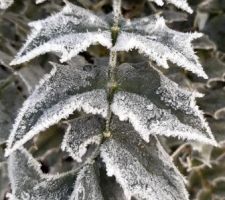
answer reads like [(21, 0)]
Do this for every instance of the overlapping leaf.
[(80, 134), (143, 170), (28, 181), (66, 89), (69, 32), (156, 105), (87, 185), (153, 38)]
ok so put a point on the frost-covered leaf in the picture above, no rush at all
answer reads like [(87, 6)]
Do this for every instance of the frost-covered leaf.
[(4, 4), (87, 185), (67, 88), (81, 133), (182, 4), (69, 32), (143, 170), (29, 183), (156, 105), (152, 37)]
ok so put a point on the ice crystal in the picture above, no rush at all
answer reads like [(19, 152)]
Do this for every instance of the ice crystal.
[(143, 170), (81, 133), (67, 88), (69, 32), (152, 37), (29, 183), (87, 185), (182, 4)]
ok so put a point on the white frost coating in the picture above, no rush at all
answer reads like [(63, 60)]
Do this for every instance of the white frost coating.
[(152, 37), (87, 185), (182, 4), (148, 120), (57, 96), (80, 134), (90, 102), (69, 32), (181, 99), (141, 180), (4, 4), (30, 183)]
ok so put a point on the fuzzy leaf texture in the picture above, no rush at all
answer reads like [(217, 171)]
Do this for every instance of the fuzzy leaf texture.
[(74, 29), (162, 109), (29, 183), (143, 170)]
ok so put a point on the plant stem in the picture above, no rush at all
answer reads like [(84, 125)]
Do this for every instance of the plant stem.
[(112, 84)]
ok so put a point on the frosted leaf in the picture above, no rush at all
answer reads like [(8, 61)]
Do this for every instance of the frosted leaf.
[(148, 119), (87, 185), (143, 170), (69, 32), (81, 133), (4, 4), (152, 37), (182, 4), (159, 97), (29, 183), (67, 88)]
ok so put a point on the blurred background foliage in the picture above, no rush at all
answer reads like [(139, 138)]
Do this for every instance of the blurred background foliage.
[(203, 166)]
